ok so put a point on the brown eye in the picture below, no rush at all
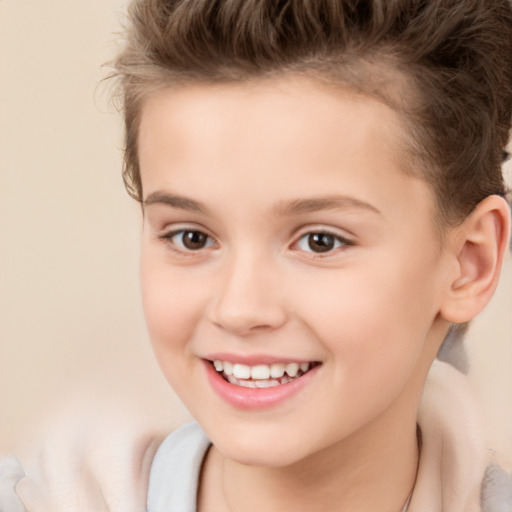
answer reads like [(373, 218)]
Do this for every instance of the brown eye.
[(190, 240), (194, 240), (320, 242)]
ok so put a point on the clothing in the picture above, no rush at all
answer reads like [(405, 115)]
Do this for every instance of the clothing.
[(86, 459), (456, 471), (175, 470)]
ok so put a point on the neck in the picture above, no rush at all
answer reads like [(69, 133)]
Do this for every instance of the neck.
[(360, 473)]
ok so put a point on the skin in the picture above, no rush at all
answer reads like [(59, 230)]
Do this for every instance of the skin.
[(370, 310)]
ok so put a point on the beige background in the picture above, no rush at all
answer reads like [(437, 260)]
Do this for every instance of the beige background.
[(70, 321)]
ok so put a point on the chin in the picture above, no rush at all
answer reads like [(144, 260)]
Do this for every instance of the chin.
[(260, 450), (261, 456)]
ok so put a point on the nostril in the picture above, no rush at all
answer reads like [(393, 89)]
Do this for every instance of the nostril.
[(247, 301), (246, 324)]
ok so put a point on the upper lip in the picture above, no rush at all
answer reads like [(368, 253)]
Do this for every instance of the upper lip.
[(254, 359)]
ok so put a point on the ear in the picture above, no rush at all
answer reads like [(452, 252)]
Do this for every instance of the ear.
[(479, 246)]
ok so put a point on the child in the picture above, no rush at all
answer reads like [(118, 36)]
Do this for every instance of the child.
[(323, 205)]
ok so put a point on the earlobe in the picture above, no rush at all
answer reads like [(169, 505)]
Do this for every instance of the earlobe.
[(481, 244)]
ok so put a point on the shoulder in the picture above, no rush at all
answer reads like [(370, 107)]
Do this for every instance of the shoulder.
[(457, 465), (75, 468)]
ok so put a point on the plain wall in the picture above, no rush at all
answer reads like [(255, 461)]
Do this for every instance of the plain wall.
[(70, 316)]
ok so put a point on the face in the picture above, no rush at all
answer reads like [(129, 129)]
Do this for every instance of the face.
[(280, 233)]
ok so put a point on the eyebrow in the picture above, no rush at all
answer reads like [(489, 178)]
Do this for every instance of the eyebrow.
[(283, 208), (180, 202), (330, 202)]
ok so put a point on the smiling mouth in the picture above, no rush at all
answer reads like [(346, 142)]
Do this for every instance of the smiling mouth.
[(261, 375)]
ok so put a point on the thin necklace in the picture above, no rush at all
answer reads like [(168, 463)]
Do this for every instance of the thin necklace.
[(406, 506), (420, 443)]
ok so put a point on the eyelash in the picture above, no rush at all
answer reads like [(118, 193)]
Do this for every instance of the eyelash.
[(338, 242)]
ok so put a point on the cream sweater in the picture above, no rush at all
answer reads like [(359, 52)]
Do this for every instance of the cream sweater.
[(456, 471)]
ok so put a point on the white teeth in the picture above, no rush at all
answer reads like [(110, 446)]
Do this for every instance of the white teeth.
[(292, 369), (242, 371), (266, 383), (269, 383), (228, 367), (260, 375), (247, 383), (277, 370), (261, 371)]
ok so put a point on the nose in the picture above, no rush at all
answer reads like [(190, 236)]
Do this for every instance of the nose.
[(248, 299)]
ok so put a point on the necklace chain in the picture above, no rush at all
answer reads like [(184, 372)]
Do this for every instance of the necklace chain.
[(406, 506)]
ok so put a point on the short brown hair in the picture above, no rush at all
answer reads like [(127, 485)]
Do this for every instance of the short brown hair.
[(454, 57)]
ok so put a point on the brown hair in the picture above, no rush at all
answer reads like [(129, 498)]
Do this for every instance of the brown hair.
[(446, 65)]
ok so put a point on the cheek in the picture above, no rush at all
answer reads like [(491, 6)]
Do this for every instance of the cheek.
[(373, 318), (171, 302)]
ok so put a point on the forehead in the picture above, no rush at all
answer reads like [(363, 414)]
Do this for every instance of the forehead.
[(283, 101), (272, 138)]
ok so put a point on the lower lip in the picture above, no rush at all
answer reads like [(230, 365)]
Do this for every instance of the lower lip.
[(256, 398)]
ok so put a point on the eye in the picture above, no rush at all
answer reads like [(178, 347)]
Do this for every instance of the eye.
[(189, 240), (321, 242)]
